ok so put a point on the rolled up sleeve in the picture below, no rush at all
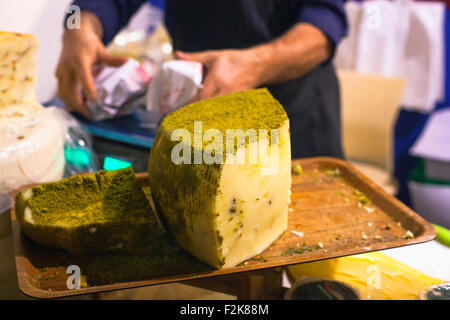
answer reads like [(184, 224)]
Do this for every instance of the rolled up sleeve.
[(113, 14), (328, 16)]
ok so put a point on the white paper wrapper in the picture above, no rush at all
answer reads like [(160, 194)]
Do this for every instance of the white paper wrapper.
[(174, 86), (120, 89)]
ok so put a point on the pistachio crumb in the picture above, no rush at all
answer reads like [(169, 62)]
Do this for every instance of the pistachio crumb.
[(298, 169)]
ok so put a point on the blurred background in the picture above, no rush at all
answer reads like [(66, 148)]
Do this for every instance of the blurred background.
[(393, 68)]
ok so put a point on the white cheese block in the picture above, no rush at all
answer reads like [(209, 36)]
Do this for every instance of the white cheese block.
[(252, 208), (31, 146), (223, 213), (18, 68)]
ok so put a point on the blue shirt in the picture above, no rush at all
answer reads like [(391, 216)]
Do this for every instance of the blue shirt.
[(218, 24)]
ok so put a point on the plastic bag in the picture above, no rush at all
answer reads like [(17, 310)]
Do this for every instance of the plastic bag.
[(174, 86), (78, 151), (31, 146), (39, 145), (145, 37), (121, 90)]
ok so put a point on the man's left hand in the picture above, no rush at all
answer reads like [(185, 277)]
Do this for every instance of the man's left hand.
[(290, 56), (227, 71)]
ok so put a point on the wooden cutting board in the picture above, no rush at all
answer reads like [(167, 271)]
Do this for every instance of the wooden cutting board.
[(335, 211)]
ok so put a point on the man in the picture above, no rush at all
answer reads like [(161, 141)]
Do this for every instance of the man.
[(284, 45)]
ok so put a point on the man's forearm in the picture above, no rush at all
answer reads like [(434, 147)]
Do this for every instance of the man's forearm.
[(295, 53)]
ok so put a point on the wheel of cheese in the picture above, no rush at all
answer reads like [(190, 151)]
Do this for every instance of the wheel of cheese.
[(223, 212)]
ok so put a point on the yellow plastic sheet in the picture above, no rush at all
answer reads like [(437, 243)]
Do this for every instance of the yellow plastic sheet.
[(375, 275)]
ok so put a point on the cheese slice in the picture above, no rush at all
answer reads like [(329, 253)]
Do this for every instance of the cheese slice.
[(90, 213), (18, 68), (223, 212)]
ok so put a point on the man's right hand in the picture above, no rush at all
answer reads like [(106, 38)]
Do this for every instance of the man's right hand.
[(81, 49)]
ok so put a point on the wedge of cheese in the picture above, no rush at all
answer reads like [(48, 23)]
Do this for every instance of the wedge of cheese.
[(222, 191), (90, 213), (18, 68)]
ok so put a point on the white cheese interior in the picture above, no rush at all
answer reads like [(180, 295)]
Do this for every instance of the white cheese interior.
[(28, 215), (249, 212), (253, 206), (27, 194)]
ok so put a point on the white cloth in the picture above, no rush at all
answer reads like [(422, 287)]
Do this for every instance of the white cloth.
[(400, 38), (423, 60), (346, 52), (382, 37), (434, 141), (120, 89), (431, 258)]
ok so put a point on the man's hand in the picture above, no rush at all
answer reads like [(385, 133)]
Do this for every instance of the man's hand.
[(298, 51), (81, 49), (227, 71)]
